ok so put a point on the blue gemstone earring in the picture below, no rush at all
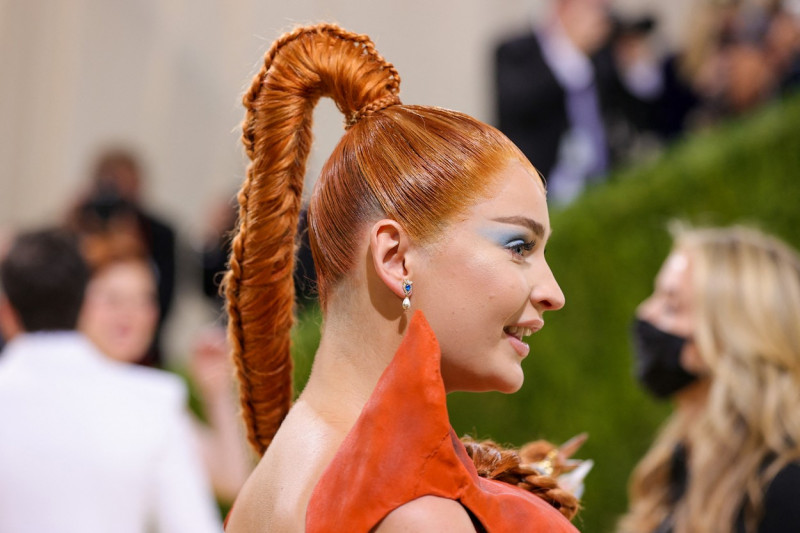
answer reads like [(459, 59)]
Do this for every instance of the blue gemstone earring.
[(406, 283)]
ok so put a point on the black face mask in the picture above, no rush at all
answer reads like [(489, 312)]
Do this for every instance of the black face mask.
[(658, 360)]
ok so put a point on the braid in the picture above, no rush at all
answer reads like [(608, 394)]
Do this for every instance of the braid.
[(298, 69), (519, 468), (377, 105)]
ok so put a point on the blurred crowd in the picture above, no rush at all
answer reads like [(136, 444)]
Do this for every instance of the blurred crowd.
[(131, 256), (586, 89)]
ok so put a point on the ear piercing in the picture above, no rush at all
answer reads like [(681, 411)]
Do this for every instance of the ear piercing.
[(407, 288)]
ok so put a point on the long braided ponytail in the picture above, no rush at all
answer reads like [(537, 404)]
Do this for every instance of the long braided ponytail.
[(298, 69)]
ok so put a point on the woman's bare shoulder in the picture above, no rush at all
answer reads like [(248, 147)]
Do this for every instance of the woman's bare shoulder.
[(276, 495), (428, 514)]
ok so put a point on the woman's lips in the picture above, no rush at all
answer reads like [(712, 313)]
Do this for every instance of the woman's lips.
[(522, 348), (515, 335)]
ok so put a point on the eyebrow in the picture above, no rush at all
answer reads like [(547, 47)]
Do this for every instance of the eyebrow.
[(526, 222)]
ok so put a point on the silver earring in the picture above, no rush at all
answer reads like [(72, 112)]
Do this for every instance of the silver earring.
[(407, 288)]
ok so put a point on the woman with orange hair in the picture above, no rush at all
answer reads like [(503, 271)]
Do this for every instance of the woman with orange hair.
[(428, 230)]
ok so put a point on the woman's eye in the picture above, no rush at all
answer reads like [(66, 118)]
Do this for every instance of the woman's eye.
[(520, 248)]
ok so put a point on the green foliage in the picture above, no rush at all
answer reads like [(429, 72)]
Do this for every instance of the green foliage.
[(305, 341), (605, 251)]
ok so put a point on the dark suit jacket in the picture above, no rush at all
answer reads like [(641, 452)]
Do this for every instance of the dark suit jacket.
[(530, 102)]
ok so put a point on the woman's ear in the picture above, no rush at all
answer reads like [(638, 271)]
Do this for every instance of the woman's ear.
[(389, 247)]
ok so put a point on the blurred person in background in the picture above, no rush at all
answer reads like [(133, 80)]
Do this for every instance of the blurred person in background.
[(749, 77), (547, 95), (113, 204), (736, 56), (220, 221), (721, 335), (6, 235), (216, 248), (631, 67), (782, 43), (120, 315), (89, 444)]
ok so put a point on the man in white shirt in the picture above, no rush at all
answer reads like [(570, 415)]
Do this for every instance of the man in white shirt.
[(88, 444)]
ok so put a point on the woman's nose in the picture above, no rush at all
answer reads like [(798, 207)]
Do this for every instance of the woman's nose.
[(645, 309), (547, 295)]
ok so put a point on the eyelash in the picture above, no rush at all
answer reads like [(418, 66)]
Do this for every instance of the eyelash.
[(519, 247)]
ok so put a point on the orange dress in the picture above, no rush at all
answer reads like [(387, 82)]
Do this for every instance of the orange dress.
[(402, 447)]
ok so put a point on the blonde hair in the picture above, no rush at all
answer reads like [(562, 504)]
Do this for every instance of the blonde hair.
[(746, 288)]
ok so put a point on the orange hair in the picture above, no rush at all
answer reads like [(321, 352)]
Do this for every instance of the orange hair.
[(417, 165), (512, 466)]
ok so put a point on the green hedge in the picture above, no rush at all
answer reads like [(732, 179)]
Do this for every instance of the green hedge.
[(605, 251)]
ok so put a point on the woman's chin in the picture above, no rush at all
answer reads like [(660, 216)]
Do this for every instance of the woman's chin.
[(506, 383), (510, 387)]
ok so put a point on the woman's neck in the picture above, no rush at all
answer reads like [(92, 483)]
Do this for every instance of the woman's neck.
[(694, 396), (354, 350)]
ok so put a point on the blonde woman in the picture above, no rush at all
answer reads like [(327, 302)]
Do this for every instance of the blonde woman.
[(723, 328)]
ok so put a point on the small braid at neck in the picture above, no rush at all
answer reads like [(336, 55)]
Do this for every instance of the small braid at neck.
[(492, 461)]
